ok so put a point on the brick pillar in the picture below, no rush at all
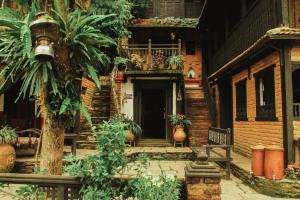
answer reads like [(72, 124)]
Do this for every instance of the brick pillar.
[(118, 83), (202, 180)]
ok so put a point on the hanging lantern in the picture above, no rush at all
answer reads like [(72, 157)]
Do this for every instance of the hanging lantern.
[(44, 28)]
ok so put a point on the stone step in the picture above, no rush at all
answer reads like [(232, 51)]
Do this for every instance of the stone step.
[(86, 144), (154, 143)]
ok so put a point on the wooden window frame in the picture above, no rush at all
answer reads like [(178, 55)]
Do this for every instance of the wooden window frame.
[(241, 95), (267, 111)]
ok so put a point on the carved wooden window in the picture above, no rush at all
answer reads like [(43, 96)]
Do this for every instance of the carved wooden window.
[(265, 95), (241, 100)]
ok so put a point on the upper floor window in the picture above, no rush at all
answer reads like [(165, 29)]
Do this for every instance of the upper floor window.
[(241, 100), (190, 48), (265, 95)]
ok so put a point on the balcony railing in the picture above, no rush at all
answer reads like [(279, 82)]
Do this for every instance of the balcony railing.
[(262, 18), (149, 53), (296, 110)]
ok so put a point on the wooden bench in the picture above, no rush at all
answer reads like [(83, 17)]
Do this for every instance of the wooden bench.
[(27, 142), (219, 140)]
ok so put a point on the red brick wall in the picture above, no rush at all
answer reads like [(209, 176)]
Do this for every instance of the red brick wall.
[(118, 85), (88, 96), (252, 132)]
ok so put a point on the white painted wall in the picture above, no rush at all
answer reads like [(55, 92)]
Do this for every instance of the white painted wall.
[(127, 98)]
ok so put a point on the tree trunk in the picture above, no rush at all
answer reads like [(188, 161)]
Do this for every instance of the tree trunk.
[(52, 146)]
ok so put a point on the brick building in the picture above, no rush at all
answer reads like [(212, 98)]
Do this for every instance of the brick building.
[(251, 56)]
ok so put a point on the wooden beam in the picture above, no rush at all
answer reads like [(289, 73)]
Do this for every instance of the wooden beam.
[(296, 13), (287, 103), (284, 12)]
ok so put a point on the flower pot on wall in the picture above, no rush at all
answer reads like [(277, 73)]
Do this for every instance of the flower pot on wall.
[(179, 135), (161, 66), (174, 66), (7, 158)]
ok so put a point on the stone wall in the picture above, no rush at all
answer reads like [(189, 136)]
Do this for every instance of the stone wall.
[(250, 132)]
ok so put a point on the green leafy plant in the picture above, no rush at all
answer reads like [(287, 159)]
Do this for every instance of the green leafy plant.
[(175, 60), (176, 22), (97, 172), (132, 125), (179, 120), (164, 186), (8, 135)]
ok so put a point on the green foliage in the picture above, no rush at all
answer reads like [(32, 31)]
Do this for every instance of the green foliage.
[(116, 26), (31, 192), (176, 60), (82, 32), (176, 22), (7, 135), (97, 171), (179, 120), (163, 187)]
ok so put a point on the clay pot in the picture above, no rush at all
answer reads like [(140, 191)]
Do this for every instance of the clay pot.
[(179, 135), (7, 158), (174, 66), (258, 158), (161, 66), (130, 136), (274, 162)]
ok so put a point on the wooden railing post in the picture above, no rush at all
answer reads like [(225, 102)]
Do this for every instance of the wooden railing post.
[(179, 46), (149, 52)]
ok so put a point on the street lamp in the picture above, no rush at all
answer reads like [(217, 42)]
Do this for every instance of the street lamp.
[(44, 28)]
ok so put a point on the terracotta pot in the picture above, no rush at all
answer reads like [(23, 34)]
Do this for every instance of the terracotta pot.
[(258, 158), (130, 136), (174, 66), (274, 162), (179, 135), (7, 158), (161, 66)]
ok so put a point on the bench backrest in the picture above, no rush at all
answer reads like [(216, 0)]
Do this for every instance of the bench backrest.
[(219, 136)]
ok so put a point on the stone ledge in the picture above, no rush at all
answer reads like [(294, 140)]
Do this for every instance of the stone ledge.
[(284, 188)]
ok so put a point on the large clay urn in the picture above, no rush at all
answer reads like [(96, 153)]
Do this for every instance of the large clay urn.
[(130, 136), (179, 135), (7, 158), (258, 159), (274, 162)]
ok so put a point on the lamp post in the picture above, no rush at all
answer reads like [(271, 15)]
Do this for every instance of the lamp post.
[(44, 29)]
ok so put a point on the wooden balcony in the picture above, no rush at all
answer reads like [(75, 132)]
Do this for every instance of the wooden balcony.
[(148, 53), (254, 25), (296, 110), (173, 8)]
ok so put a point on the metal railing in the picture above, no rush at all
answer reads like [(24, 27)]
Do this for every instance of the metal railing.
[(148, 51), (296, 110)]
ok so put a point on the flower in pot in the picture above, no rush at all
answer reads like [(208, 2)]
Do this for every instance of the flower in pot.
[(179, 121), (133, 129), (137, 61), (158, 60), (175, 62), (8, 137)]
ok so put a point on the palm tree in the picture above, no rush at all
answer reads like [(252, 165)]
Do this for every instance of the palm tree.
[(78, 52)]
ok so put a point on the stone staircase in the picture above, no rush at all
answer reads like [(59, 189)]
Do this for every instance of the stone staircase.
[(100, 111), (197, 112), (154, 143)]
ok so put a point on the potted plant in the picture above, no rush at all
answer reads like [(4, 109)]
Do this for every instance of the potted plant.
[(8, 136), (179, 121), (137, 61), (133, 129), (175, 62), (158, 60)]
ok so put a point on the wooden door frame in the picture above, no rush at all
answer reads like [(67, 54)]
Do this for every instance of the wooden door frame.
[(167, 85)]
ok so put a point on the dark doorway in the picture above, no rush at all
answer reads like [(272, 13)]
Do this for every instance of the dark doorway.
[(20, 114), (153, 113)]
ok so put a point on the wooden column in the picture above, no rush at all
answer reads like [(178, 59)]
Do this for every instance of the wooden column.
[(287, 103)]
